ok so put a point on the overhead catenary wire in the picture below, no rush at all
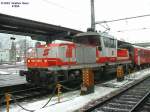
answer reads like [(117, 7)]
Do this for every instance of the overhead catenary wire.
[(127, 18), (135, 29), (59, 6)]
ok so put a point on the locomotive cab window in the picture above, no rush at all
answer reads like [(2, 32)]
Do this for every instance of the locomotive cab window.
[(109, 42)]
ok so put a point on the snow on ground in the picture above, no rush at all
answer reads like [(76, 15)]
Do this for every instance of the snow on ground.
[(69, 101), (10, 76), (128, 79), (3, 73), (11, 79), (139, 75), (72, 101), (12, 64)]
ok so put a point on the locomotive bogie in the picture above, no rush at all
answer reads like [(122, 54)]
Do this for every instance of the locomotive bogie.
[(46, 78)]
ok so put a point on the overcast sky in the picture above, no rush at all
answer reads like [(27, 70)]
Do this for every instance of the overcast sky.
[(76, 14)]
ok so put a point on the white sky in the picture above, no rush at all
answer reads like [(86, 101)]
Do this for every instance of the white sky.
[(76, 14)]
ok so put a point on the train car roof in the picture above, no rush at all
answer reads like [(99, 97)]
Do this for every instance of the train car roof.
[(140, 47)]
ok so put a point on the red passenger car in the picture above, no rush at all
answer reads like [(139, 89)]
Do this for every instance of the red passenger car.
[(141, 55)]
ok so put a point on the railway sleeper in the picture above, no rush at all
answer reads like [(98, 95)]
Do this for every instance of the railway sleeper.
[(111, 109), (125, 102), (139, 93), (128, 99), (144, 111), (146, 107), (117, 105), (132, 96)]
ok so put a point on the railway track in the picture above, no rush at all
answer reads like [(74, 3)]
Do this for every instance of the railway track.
[(27, 92), (128, 100), (24, 92), (144, 106), (12, 66)]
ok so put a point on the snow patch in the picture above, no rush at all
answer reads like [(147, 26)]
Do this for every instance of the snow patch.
[(4, 73), (60, 41)]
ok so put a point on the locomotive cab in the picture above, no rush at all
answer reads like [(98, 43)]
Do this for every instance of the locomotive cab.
[(109, 47), (104, 44)]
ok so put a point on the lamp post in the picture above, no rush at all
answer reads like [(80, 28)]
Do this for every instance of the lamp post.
[(13, 50)]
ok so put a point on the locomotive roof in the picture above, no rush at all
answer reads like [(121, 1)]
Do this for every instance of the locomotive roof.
[(87, 33)]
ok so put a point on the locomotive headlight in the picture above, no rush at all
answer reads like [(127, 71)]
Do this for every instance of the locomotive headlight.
[(28, 61), (45, 60)]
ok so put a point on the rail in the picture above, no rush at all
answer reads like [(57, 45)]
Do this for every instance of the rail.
[(125, 101), (10, 97)]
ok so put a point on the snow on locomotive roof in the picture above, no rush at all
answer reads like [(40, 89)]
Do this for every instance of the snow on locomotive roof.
[(102, 34), (60, 41), (87, 33)]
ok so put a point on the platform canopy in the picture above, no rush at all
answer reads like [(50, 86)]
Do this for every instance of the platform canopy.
[(37, 30)]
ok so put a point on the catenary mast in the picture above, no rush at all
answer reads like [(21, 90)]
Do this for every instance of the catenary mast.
[(92, 16)]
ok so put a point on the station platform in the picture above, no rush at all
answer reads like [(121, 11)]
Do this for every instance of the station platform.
[(9, 75)]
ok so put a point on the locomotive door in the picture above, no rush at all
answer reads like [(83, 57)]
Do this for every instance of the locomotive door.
[(139, 52)]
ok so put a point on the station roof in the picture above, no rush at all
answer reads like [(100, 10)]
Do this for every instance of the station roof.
[(37, 30)]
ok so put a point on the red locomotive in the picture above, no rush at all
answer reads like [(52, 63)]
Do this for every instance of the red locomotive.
[(63, 60)]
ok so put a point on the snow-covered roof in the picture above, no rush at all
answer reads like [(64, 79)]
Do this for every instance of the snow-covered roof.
[(60, 41)]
